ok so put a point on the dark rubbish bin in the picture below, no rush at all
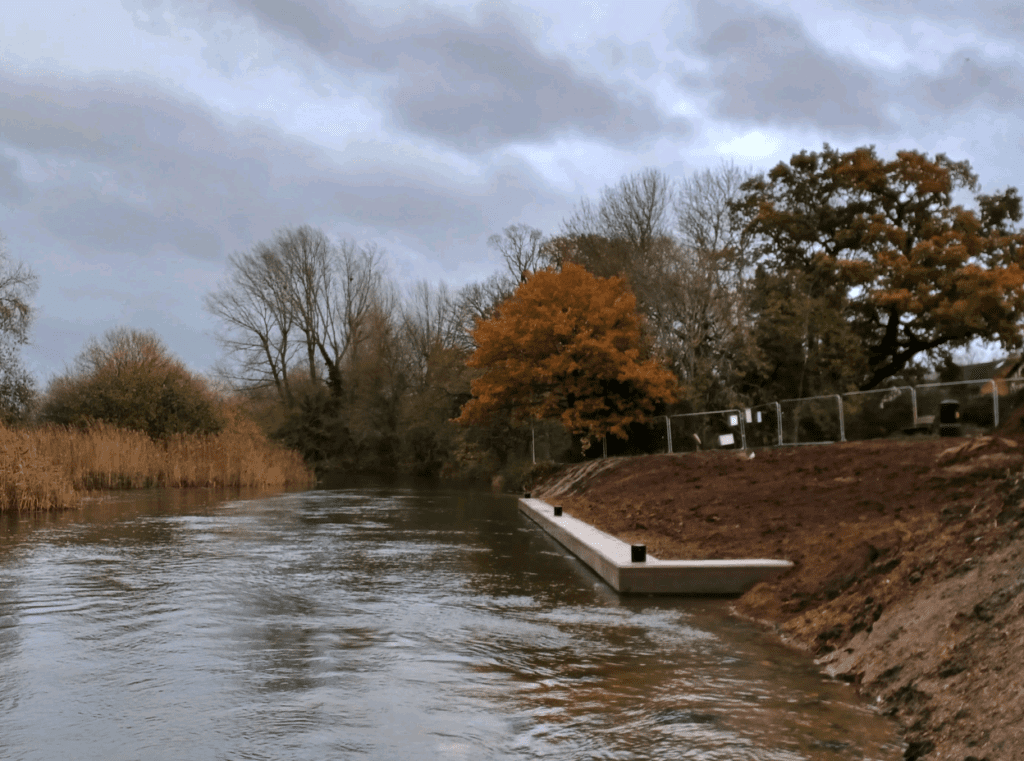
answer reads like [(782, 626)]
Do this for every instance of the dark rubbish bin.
[(949, 418)]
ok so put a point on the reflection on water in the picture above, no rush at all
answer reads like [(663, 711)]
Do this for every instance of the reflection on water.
[(376, 624)]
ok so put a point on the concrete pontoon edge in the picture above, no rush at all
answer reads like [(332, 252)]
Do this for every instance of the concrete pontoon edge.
[(610, 558)]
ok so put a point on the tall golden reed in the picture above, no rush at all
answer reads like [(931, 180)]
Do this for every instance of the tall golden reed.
[(47, 467)]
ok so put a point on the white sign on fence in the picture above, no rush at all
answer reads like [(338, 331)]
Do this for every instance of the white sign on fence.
[(749, 418), (726, 440), (734, 420)]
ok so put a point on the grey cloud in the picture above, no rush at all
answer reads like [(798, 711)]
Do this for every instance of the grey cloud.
[(471, 85), (997, 18), (391, 195), (967, 80), (103, 222), (12, 187), (139, 168), (639, 58), (765, 67)]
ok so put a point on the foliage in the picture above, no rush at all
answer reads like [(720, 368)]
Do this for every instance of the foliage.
[(567, 345), (129, 379), (894, 270)]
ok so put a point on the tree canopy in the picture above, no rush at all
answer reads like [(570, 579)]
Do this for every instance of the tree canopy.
[(129, 379), (865, 265), (567, 345)]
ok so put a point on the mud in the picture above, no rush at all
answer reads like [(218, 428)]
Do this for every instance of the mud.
[(909, 565)]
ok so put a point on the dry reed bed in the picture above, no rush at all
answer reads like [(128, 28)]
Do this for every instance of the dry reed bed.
[(48, 467)]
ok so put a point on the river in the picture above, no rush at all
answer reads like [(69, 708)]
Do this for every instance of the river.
[(376, 622)]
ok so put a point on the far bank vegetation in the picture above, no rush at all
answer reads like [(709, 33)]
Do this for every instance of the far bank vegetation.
[(128, 415)]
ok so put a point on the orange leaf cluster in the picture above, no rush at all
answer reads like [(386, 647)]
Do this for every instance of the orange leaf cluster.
[(567, 345)]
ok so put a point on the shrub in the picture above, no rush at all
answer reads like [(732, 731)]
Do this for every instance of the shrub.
[(129, 380)]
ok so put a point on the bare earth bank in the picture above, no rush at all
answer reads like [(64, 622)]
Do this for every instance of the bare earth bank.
[(909, 565)]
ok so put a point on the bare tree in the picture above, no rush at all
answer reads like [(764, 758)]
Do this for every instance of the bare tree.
[(364, 294), (429, 320), (637, 211), (698, 305), (685, 253), (709, 225), (628, 233), (701, 327), (259, 324), (299, 283), (17, 286), (478, 301), (300, 263), (522, 248)]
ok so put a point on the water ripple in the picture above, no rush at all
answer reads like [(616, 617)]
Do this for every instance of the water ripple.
[(369, 625)]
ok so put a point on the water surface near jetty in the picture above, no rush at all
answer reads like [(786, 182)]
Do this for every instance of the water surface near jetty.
[(376, 623)]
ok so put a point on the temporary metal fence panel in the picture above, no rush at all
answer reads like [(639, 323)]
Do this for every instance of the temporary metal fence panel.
[(763, 425), (697, 431), (644, 438), (879, 413), (854, 416), (978, 399), (812, 420)]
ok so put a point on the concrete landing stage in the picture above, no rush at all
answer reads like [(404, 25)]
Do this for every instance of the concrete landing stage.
[(610, 558)]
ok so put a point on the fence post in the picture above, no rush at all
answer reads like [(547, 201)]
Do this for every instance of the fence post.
[(668, 433), (995, 404), (741, 415), (913, 400), (778, 416), (533, 443), (842, 423)]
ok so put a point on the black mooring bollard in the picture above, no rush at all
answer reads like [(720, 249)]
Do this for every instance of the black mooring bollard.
[(638, 553), (558, 510), (527, 495)]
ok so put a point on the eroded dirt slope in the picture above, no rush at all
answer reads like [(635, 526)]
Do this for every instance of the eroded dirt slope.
[(909, 565)]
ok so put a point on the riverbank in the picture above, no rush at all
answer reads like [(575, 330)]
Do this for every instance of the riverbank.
[(908, 560)]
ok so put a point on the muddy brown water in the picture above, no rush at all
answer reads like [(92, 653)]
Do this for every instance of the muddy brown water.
[(376, 622)]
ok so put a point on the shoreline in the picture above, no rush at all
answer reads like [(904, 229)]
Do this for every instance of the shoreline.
[(908, 579)]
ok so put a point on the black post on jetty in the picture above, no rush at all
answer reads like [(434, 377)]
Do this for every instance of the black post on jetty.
[(638, 553)]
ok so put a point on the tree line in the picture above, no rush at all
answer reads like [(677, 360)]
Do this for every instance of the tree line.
[(834, 271), (831, 272)]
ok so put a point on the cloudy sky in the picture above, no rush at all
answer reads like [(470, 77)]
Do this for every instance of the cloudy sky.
[(143, 141)]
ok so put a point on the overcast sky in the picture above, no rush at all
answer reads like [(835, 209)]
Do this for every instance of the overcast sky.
[(142, 142)]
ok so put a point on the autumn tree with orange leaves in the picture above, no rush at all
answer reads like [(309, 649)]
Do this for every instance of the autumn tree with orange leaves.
[(865, 265), (567, 345)]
